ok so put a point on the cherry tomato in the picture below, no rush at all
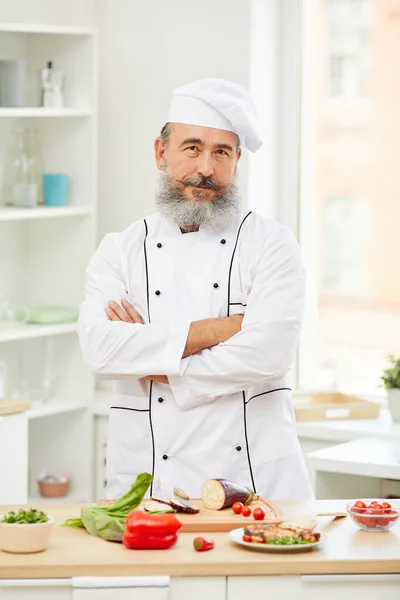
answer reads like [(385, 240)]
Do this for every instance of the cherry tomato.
[(247, 538), (246, 511), (386, 507), (376, 510), (382, 521), (258, 514), (359, 504), (237, 508), (357, 508), (375, 504), (392, 516), (359, 520), (258, 539), (368, 519)]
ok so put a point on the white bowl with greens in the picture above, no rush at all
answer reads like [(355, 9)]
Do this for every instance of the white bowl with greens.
[(25, 531)]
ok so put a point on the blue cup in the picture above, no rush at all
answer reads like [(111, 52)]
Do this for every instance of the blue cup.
[(55, 189)]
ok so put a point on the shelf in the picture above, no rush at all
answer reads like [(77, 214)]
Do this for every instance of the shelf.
[(55, 408), (42, 212), (47, 29), (27, 332), (40, 112), (35, 499), (368, 457)]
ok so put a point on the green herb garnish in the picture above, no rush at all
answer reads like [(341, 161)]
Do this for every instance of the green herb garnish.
[(287, 541), (25, 517)]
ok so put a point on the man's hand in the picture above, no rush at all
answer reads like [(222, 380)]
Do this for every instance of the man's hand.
[(127, 314), (211, 332)]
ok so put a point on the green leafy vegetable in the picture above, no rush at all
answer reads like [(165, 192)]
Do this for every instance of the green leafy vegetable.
[(25, 517), (287, 541), (108, 522)]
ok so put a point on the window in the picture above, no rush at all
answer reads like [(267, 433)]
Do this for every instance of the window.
[(345, 229), (347, 25), (350, 211)]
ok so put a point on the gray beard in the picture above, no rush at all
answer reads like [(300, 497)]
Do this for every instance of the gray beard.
[(191, 214)]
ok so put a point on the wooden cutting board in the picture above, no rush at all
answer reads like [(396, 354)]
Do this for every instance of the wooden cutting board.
[(11, 406), (301, 514)]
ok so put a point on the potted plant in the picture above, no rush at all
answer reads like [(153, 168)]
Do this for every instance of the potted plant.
[(25, 531), (391, 382)]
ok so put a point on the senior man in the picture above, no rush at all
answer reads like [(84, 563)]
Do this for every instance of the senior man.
[(196, 312)]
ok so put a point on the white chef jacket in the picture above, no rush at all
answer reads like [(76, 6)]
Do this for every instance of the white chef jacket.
[(227, 410)]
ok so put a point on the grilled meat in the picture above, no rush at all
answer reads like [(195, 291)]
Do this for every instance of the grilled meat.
[(268, 531)]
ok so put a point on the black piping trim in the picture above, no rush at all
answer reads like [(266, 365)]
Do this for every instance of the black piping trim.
[(269, 392), (152, 438), (233, 256), (247, 442), (147, 269), (237, 304), (151, 383), (127, 408)]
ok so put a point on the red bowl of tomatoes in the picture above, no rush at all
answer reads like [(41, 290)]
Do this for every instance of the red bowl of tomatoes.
[(373, 515)]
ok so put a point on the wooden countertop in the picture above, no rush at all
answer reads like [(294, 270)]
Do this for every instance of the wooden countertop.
[(72, 552)]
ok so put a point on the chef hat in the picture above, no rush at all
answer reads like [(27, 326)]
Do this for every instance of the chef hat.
[(219, 104)]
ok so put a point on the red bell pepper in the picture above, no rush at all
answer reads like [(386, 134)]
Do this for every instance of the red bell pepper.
[(201, 545), (145, 531)]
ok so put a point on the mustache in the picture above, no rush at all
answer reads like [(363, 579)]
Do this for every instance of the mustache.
[(200, 181)]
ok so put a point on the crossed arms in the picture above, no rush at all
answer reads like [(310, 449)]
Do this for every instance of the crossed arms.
[(203, 359)]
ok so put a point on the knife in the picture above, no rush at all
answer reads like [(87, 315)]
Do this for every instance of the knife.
[(182, 496)]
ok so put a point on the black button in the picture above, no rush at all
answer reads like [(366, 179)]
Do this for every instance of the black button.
[(159, 245), (161, 399), (238, 448), (223, 241), (165, 456), (216, 285), (158, 292)]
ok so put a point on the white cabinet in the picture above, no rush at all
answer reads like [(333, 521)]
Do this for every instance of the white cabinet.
[(14, 459), (44, 252), (316, 587), (181, 588)]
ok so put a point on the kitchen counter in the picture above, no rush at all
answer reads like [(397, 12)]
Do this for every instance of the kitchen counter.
[(346, 430), (72, 552)]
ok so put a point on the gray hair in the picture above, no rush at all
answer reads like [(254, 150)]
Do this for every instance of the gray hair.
[(166, 132)]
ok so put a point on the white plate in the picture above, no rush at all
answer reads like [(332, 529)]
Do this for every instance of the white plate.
[(236, 535)]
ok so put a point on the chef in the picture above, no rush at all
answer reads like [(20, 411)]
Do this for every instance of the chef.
[(195, 312)]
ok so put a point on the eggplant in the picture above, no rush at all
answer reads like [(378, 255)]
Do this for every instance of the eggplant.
[(177, 505), (154, 506), (221, 493), (166, 501), (185, 508)]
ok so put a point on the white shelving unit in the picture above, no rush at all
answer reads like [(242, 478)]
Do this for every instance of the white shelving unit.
[(29, 332), (38, 112), (9, 213), (43, 255), (55, 408)]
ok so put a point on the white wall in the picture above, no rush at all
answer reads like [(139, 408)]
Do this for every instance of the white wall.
[(48, 12), (146, 49)]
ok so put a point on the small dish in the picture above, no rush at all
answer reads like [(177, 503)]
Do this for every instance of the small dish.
[(24, 538), (236, 535), (373, 515)]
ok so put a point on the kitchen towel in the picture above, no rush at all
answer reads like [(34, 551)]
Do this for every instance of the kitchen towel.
[(120, 588)]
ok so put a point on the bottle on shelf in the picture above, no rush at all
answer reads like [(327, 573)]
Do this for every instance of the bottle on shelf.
[(24, 183), (36, 161), (26, 169), (52, 84)]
